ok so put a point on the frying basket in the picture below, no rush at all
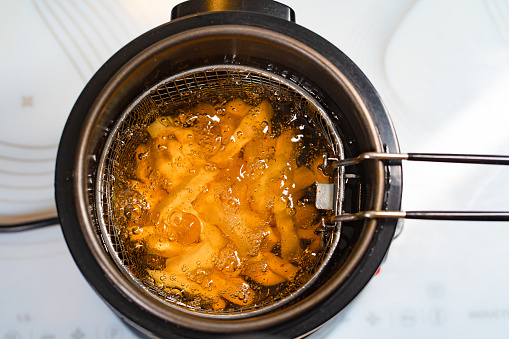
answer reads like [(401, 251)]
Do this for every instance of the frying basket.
[(196, 85)]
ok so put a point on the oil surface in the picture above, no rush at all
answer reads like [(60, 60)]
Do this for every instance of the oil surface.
[(216, 203)]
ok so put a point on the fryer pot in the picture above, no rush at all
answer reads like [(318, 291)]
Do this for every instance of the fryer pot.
[(259, 34)]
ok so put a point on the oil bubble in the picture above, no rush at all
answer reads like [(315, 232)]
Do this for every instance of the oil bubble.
[(132, 212)]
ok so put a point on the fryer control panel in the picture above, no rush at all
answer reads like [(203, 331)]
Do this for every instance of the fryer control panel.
[(442, 69)]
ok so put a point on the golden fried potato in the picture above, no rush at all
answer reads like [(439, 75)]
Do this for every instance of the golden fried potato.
[(181, 282), (229, 262), (280, 266), (286, 145), (185, 193), (245, 229), (164, 247), (160, 125), (290, 245), (302, 178), (305, 215), (270, 240), (269, 270), (172, 164), (268, 184), (200, 256), (254, 125), (235, 290), (260, 272)]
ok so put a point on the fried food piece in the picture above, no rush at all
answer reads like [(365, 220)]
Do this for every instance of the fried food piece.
[(255, 125), (180, 282), (305, 215), (264, 149), (286, 145), (157, 241), (245, 229), (202, 255), (229, 262), (270, 240), (235, 290), (159, 126), (302, 178), (185, 193), (197, 145), (164, 247), (290, 245), (199, 257), (269, 270), (260, 272), (171, 163), (280, 266), (266, 184)]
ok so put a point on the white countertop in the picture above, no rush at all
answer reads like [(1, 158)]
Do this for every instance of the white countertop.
[(442, 69)]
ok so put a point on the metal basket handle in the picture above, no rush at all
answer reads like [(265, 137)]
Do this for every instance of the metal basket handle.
[(431, 215)]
